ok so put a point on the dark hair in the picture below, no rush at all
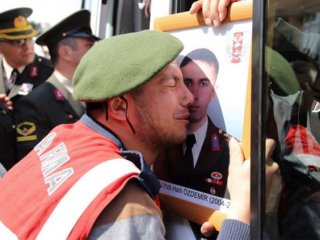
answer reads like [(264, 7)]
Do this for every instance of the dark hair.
[(53, 49), (94, 107), (201, 54)]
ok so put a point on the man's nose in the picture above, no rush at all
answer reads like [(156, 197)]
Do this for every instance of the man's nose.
[(188, 96), (27, 44)]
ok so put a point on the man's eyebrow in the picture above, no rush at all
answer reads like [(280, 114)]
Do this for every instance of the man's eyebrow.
[(201, 79), (168, 77), (187, 78)]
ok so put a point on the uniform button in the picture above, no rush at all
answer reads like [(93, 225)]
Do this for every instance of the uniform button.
[(70, 116)]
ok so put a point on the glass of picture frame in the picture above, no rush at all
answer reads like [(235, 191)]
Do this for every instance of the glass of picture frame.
[(200, 194)]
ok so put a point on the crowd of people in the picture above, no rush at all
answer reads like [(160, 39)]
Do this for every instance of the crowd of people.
[(122, 122), (40, 95), (80, 133), (21, 72)]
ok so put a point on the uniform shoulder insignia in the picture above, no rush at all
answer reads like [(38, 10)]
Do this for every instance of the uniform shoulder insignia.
[(59, 95), (215, 142), (34, 71)]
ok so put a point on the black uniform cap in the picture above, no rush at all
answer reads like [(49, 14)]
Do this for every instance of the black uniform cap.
[(75, 25), (14, 24)]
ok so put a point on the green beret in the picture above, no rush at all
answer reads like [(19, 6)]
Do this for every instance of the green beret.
[(119, 64), (281, 72)]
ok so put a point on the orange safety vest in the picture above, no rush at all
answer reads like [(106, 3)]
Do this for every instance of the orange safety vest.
[(59, 189)]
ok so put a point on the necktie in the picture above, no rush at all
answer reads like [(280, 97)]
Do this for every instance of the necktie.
[(188, 158), (13, 78)]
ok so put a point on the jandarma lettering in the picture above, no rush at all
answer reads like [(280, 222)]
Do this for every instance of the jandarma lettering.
[(51, 161)]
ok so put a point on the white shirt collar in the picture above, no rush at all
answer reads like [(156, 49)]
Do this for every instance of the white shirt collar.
[(63, 80), (200, 135), (8, 69)]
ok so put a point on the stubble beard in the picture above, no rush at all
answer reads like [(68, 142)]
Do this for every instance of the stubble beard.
[(153, 134)]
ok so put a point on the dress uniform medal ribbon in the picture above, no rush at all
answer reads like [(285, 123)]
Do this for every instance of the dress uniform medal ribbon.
[(215, 180)]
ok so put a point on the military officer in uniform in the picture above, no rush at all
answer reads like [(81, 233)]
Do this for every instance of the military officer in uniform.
[(52, 103), (21, 71), (202, 161)]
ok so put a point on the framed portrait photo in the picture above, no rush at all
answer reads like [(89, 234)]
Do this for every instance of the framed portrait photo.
[(216, 68)]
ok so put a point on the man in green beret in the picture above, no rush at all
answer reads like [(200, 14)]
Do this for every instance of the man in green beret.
[(92, 179), (67, 41), (21, 71)]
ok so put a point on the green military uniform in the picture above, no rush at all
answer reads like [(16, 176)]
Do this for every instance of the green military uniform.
[(14, 26)]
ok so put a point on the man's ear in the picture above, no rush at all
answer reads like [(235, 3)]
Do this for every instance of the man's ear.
[(65, 52), (117, 108)]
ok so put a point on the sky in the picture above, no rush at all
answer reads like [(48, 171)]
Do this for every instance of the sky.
[(44, 11)]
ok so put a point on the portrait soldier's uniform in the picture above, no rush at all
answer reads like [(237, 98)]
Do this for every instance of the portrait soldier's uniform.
[(15, 27), (210, 173)]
